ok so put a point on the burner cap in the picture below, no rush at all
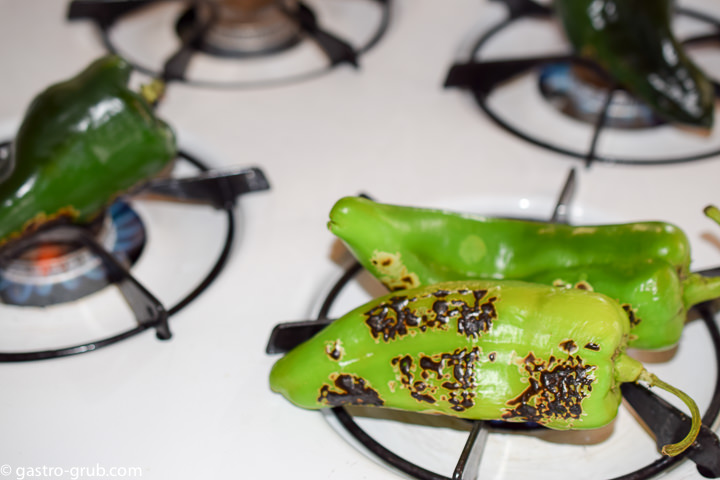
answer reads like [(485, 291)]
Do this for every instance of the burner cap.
[(239, 28)]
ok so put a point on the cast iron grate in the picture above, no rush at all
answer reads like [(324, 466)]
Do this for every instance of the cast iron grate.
[(219, 190), (665, 421), (337, 50), (483, 77)]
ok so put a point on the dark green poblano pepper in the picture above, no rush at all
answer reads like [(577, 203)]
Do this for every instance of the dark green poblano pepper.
[(81, 143), (644, 265), (634, 42), (476, 349)]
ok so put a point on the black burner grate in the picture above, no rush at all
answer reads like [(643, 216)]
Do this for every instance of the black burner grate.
[(483, 77), (220, 190), (336, 50)]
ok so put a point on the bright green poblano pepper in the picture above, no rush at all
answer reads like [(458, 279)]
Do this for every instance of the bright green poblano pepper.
[(634, 42), (82, 142), (479, 350), (645, 265)]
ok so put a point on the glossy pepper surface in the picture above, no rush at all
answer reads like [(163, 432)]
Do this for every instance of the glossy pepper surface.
[(473, 349), (634, 42), (644, 265), (81, 143)]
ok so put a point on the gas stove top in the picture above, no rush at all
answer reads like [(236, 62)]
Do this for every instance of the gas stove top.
[(198, 405)]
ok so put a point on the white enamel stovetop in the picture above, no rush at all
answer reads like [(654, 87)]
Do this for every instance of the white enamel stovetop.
[(199, 406)]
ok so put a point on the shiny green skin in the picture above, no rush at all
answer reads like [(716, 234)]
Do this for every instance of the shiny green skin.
[(633, 41), (82, 142), (573, 337), (652, 290), (644, 265)]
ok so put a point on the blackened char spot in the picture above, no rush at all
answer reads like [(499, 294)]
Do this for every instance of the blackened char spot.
[(427, 364), (569, 346), (478, 318), (417, 393), (593, 346), (555, 391), (441, 307), (405, 365), (391, 318), (583, 286), (352, 390), (397, 316), (417, 389), (529, 360), (461, 387), (334, 350), (462, 401), (634, 320), (456, 368)]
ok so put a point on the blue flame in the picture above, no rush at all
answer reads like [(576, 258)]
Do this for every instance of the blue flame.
[(129, 242)]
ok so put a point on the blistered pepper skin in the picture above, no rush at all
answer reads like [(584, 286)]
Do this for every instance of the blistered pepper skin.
[(644, 266), (473, 349), (81, 143), (634, 42)]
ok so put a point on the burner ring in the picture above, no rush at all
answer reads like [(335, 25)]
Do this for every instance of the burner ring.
[(590, 155), (204, 283), (382, 453)]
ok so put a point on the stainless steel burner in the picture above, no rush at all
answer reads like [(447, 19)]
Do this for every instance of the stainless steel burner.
[(245, 27)]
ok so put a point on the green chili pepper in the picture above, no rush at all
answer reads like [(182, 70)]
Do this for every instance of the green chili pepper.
[(82, 142), (475, 349), (634, 42), (645, 266)]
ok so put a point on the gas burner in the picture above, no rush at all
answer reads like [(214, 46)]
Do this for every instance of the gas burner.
[(420, 446), (242, 27), (370, 429), (578, 93), (236, 43), (89, 259), (607, 122), (49, 274)]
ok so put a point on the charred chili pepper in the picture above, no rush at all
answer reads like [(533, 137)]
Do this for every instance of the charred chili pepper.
[(634, 42), (81, 143), (645, 266), (476, 349)]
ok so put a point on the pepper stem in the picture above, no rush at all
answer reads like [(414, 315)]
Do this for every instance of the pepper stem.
[(696, 421), (698, 288), (712, 212), (153, 91)]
